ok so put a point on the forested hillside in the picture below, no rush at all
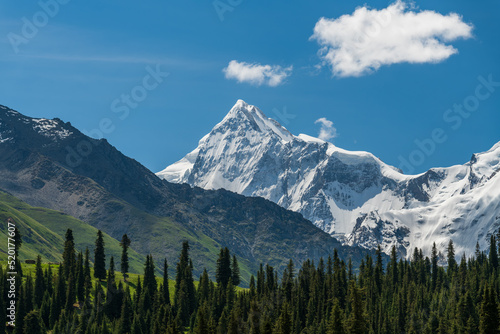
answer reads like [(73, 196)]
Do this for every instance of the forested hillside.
[(417, 296)]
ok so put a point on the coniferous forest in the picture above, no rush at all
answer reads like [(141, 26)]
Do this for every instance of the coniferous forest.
[(403, 296)]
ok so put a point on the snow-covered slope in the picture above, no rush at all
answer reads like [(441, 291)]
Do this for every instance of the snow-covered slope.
[(352, 195), (463, 205)]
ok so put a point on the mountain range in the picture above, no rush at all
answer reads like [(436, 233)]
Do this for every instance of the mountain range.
[(353, 196), (48, 163)]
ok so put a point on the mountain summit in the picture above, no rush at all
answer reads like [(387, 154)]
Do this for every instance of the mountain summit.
[(244, 115), (351, 195)]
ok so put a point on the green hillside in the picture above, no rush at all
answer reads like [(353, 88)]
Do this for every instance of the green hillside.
[(43, 232), (163, 237)]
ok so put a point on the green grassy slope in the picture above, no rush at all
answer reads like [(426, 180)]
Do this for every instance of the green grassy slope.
[(43, 233)]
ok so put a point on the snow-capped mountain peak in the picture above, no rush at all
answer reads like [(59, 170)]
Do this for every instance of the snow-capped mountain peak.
[(351, 195), (244, 126), (244, 114)]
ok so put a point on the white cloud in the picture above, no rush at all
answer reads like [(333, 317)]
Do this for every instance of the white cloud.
[(327, 130), (359, 43), (257, 74)]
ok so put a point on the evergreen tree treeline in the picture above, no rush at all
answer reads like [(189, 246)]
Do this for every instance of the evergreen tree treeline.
[(327, 297)]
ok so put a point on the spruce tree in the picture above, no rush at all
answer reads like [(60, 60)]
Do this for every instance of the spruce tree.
[(70, 293), (254, 317), (463, 312), (488, 316), (149, 276), (393, 265), (336, 325), (350, 274), (266, 325), (166, 289), (222, 327), (86, 274), (493, 256), (49, 279), (184, 296), (202, 319), (434, 270), (148, 294), (45, 309), (80, 278), (137, 326), (61, 288), (261, 280), (69, 256), (99, 257), (287, 280), (157, 320), (477, 253), (39, 283), (270, 279), (235, 324), (111, 273), (356, 323), (379, 269), (284, 322), (235, 271), (111, 292), (432, 325), (138, 293), (223, 270), (126, 316), (203, 288), (55, 309), (230, 295), (452, 262), (33, 324), (98, 304), (124, 265)]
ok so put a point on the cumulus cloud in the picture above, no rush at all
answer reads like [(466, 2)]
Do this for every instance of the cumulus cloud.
[(257, 74), (327, 130), (359, 43)]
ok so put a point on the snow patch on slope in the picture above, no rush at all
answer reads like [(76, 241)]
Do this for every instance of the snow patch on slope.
[(50, 128)]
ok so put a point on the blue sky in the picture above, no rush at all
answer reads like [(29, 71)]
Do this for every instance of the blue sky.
[(85, 55)]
